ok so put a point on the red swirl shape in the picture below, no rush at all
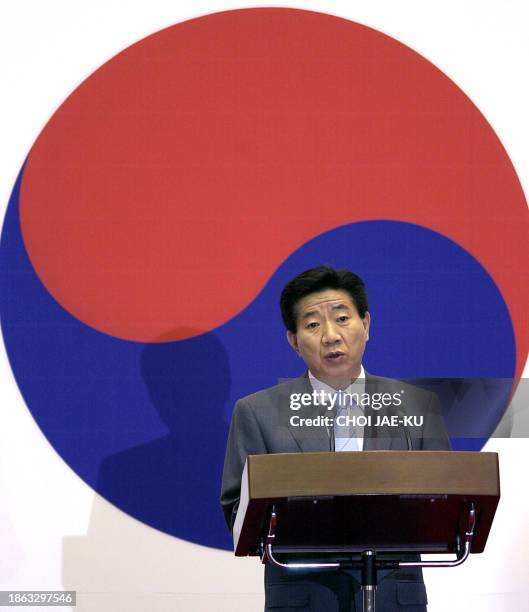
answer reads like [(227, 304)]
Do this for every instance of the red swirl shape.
[(172, 182)]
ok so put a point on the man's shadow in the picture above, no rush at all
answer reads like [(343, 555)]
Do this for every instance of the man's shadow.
[(173, 483)]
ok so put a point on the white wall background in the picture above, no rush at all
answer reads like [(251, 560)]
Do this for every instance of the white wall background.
[(54, 532)]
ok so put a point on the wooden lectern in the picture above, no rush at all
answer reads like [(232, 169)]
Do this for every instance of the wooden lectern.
[(366, 503)]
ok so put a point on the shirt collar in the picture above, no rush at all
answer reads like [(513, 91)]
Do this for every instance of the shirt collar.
[(357, 386)]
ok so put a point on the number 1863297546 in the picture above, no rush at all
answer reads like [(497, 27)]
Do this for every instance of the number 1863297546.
[(37, 598)]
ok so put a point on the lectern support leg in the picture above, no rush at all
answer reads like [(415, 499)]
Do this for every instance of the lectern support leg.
[(369, 580), (368, 561)]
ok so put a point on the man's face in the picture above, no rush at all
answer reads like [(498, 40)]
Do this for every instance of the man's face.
[(330, 336)]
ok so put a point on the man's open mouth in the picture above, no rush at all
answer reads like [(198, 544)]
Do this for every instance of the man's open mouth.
[(334, 355)]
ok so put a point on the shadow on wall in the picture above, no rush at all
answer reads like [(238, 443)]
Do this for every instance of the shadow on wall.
[(171, 483)]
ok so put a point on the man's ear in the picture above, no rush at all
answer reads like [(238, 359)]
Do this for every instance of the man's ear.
[(293, 340), (367, 322)]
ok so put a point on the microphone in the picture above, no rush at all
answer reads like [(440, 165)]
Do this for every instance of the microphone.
[(324, 411), (330, 430), (332, 441), (400, 414)]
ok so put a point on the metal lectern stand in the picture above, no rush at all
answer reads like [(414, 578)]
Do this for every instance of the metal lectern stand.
[(424, 502)]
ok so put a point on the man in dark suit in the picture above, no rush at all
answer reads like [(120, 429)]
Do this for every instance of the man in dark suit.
[(326, 315)]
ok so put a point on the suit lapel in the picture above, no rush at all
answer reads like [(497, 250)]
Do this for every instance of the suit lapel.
[(308, 439)]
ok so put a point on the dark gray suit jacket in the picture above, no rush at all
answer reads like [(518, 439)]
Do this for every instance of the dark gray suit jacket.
[(261, 424)]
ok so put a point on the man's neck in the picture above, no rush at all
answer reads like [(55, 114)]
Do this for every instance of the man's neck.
[(340, 384)]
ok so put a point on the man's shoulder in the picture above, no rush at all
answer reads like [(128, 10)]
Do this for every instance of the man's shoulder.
[(397, 385), (276, 393)]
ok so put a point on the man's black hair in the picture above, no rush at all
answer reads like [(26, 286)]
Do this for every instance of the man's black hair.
[(318, 279)]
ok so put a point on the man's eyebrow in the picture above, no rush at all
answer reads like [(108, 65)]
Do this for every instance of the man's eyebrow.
[(341, 306), (310, 313)]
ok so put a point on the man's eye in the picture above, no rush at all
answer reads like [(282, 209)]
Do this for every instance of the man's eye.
[(312, 325), (343, 319)]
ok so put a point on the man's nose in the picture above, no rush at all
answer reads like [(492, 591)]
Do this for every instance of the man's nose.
[(330, 333)]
